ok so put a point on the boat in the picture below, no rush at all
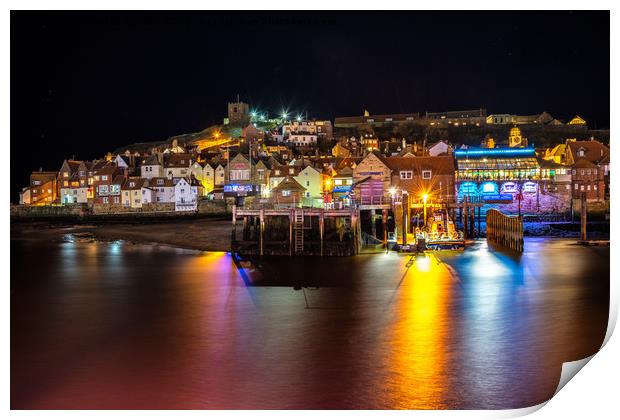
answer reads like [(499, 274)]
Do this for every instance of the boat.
[(440, 232)]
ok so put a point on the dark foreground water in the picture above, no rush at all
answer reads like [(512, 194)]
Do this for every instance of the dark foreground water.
[(116, 325)]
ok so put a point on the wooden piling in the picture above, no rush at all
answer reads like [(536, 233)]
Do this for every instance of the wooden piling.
[(261, 231), (321, 227), (505, 230), (583, 216)]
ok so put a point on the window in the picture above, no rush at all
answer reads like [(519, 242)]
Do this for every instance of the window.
[(260, 172), (160, 182), (286, 193), (307, 194), (115, 189), (589, 171), (576, 186), (581, 153), (239, 174), (595, 187), (338, 182), (65, 174), (582, 172), (307, 183), (104, 177), (81, 173), (158, 199), (132, 184), (595, 172), (103, 190), (182, 190), (36, 182), (427, 174), (291, 171), (568, 187), (105, 200), (116, 200), (573, 172), (66, 183), (406, 174), (582, 188), (588, 188)]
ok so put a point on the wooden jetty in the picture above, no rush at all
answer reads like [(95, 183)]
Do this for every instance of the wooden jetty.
[(296, 231), (505, 230)]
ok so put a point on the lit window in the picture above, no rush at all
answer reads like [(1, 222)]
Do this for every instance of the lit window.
[(427, 174), (406, 174)]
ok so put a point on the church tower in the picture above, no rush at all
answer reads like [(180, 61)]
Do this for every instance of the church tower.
[(515, 139)]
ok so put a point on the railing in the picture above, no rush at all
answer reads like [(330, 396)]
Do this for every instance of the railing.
[(505, 230)]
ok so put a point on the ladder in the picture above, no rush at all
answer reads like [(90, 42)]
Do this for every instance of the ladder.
[(299, 231)]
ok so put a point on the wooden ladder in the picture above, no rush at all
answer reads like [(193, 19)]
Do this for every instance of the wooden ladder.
[(299, 231)]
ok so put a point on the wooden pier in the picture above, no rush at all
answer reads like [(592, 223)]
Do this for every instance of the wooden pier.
[(296, 231), (505, 230)]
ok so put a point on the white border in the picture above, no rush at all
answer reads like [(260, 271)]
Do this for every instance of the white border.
[(592, 395)]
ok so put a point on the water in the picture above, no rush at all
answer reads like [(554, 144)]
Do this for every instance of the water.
[(116, 325)]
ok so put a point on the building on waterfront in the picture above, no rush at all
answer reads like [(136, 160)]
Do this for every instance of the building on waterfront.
[(186, 192), (43, 189), (515, 138), (136, 192), (105, 184), (151, 167), (430, 176), (322, 129), (371, 181), (288, 192), (177, 165), (163, 190), (511, 178)]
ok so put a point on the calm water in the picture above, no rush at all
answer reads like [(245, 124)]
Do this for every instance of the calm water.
[(115, 325)]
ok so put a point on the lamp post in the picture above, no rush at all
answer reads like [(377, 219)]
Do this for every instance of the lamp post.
[(424, 198)]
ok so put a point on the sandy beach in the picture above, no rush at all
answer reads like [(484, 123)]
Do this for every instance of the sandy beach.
[(200, 234)]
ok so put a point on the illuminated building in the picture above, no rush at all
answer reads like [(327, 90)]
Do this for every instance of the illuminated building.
[(497, 174)]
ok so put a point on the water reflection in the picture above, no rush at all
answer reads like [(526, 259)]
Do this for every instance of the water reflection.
[(118, 325), (418, 375)]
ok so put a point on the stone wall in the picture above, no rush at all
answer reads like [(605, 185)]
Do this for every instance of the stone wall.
[(48, 212), (120, 209)]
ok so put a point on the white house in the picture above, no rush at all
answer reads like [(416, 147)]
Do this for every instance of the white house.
[(178, 165), (439, 148), (185, 196), (220, 176), (151, 168), (135, 192), (208, 178), (302, 139), (163, 190), (311, 179)]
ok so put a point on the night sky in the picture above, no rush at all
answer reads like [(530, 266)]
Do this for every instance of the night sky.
[(85, 83)]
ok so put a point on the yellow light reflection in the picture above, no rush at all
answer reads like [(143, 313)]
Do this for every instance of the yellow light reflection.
[(418, 356)]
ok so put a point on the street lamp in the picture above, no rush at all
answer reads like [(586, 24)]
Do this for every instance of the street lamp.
[(424, 198)]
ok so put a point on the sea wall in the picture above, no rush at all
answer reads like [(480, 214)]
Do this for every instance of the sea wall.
[(79, 212)]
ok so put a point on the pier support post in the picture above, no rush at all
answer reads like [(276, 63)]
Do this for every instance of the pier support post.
[(321, 227), (479, 221), (583, 216), (234, 223), (290, 232), (405, 206), (465, 210), (384, 220), (261, 230), (373, 224)]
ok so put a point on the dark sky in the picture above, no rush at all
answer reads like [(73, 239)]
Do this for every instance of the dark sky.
[(85, 83)]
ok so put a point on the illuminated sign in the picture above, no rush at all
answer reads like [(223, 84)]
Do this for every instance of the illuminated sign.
[(235, 188), (488, 188), (497, 152), (529, 187), (468, 188), (499, 198), (509, 187)]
